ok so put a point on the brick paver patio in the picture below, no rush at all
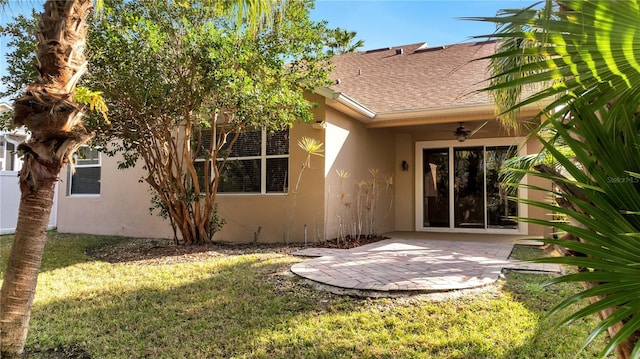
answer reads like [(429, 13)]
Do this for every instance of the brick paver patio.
[(411, 265)]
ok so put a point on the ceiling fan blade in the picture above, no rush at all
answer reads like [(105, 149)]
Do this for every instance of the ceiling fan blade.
[(478, 129)]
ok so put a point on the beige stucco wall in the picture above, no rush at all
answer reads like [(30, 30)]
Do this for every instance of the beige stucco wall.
[(533, 146), (404, 208), (122, 208), (353, 148)]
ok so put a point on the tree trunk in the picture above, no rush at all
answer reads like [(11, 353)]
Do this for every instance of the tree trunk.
[(55, 123), (19, 286)]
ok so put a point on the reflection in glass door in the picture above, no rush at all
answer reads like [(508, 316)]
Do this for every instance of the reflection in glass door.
[(469, 187), (462, 188), (501, 210), (436, 187)]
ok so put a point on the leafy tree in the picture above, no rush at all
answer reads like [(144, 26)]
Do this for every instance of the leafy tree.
[(20, 62), (48, 110), (341, 41), (579, 58), (204, 82)]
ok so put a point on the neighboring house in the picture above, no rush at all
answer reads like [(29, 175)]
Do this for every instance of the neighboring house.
[(9, 141), (391, 112), (10, 164)]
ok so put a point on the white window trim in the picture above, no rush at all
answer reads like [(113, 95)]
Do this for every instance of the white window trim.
[(523, 209), (14, 156), (3, 152), (263, 157), (99, 164)]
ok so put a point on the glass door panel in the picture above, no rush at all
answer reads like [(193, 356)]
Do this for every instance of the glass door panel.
[(500, 209), (436, 187), (469, 187)]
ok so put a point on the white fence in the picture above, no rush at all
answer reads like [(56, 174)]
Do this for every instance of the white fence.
[(10, 200)]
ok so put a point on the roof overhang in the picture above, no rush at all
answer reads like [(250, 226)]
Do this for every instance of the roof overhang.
[(412, 117), (5, 107), (346, 105)]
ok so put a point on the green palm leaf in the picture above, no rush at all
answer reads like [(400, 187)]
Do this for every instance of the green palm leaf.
[(585, 52)]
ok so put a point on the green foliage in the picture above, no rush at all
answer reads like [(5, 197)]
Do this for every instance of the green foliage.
[(20, 56), (341, 41), (6, 120), (167, 70), (583, 52), (599, 199), (584, 48), (215, 221), (92, 98)]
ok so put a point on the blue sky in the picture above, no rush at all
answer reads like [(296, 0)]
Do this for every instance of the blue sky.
[(390, 23), (380, 23)]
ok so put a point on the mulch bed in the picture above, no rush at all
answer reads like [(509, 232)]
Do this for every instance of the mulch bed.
[(146, 251), (349, 243)]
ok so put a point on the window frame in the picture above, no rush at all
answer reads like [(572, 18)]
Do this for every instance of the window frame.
[(3, 151), (9, 159), (521, 149), (263, 157), (76, 166)]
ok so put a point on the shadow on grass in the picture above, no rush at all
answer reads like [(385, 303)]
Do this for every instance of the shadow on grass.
[(249, 307), (549, 337), (218, 316), (62, 250)]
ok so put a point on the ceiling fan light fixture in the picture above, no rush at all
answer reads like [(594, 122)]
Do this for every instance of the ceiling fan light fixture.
[(461, 133)]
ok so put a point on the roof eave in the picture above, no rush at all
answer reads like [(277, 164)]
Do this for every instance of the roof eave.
[(444, 115), (411, 117), (347, 105), (5, 107)]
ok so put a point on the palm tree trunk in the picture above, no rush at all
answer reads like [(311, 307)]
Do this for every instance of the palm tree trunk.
[(55, 123), (19, 286)]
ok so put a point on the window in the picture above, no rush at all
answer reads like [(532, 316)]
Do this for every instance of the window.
[(2, 153), (258, 162), (8, 156), (86, 178)]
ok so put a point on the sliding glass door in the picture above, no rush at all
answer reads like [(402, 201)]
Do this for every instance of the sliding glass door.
[(461, 188), (500, 208), (436, 187), (468, 189)]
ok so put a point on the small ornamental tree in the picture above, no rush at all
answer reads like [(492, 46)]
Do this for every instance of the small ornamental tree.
[(49, 109), (183, 82)]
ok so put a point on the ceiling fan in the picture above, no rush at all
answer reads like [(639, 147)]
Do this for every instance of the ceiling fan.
[(462, 133)]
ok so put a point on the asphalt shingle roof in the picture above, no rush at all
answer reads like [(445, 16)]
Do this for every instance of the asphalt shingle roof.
[(414, 77)]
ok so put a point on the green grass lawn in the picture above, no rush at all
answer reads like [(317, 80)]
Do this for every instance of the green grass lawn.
[(249, 306)]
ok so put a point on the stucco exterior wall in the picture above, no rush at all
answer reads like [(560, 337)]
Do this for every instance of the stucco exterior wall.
[(121, 208), (353, 148), (404, 207), (322, 203), (533, 146)]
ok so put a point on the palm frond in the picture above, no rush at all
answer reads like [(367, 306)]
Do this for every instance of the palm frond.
[(586, 51)]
